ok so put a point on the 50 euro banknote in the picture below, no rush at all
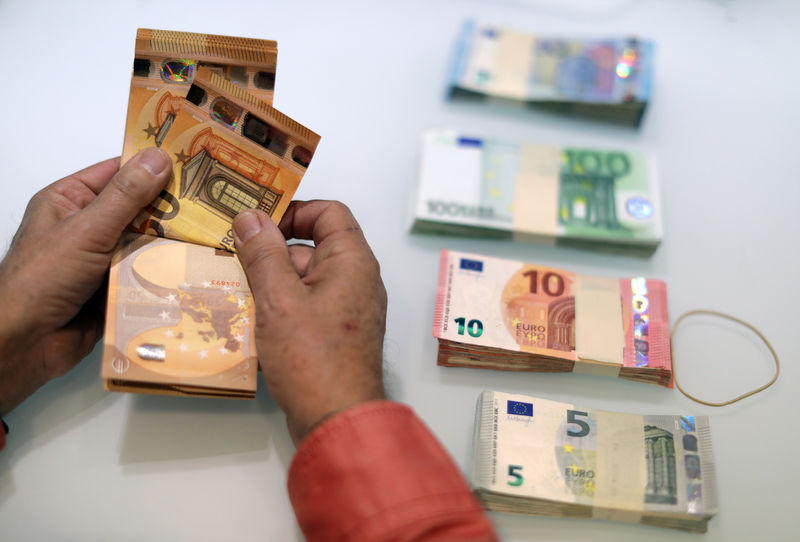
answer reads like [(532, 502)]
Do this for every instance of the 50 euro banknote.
[(590, 198), (179, 321), (504, 314), (537, 456), (230, 152), (165, 63)]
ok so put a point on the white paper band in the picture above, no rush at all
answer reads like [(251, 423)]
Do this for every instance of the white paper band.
[(536, 193), (599, 336), (621, 467)]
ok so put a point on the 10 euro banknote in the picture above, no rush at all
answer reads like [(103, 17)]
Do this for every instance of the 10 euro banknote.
[(506, 314)]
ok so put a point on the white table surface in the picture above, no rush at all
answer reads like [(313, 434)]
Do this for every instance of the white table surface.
[(85, 464)]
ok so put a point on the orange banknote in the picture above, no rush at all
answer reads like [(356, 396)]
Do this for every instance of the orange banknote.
[(231, 152), (179, 321), (166, 62)]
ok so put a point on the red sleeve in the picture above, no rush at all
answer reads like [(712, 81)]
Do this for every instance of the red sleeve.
[(375, 473)]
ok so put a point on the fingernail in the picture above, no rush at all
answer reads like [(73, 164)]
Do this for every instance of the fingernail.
[(246, 225), (154, 160)]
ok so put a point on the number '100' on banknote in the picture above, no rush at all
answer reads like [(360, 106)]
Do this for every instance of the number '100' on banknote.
[(485, 187)]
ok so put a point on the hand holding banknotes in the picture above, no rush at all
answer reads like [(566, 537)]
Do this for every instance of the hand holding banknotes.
[(50, 282), (320, 312)]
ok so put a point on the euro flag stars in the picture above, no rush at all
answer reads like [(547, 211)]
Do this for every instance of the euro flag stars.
[(471, 265), (518, 408)]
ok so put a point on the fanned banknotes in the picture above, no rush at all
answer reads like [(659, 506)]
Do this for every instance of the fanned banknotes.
[(609, 79), (535, 456), (589, 198), (179, 321), (180, 315), (165, 63), (504, 314), (231, 152)]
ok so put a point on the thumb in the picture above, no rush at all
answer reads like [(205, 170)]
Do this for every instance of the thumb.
[(264, 255), (136, 184)]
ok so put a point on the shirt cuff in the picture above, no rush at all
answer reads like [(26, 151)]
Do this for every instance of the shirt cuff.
[(375, 472)]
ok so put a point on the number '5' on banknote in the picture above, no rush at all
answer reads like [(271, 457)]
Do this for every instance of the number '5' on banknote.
[(230, 152)]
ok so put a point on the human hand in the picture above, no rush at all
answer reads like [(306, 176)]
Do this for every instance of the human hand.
[(320, 312), (50, 279)]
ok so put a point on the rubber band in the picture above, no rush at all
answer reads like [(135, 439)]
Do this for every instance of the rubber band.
[(733, 319)]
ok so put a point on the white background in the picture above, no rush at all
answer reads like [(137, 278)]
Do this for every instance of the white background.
[(84, 464)]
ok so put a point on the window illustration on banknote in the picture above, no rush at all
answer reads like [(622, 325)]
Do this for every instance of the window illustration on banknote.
[(206, 101), (230, 152), (209, 177), (661, 474)]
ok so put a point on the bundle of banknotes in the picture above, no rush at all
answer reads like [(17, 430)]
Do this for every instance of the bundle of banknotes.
[(179, 315), (608, 79), (589, 198), (504, 314), (536, 456), (179, 320)]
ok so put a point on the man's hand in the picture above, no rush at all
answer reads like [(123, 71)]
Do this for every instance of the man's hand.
[(320, 312), (50, 279)]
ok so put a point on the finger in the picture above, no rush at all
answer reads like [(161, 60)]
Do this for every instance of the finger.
[(65, 197), (264, 255), (318, 220), (301, 256), (136, 184), (96, 177)]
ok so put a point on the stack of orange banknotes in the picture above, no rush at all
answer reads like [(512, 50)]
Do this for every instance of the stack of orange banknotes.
[(180, 314)]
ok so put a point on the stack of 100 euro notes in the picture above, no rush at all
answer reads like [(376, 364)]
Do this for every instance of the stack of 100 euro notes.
[(531, 192)]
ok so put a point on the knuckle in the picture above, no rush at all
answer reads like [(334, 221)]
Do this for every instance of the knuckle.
[(258, 256), (339, 207), (128, 185), (375, 267), (38, 197)]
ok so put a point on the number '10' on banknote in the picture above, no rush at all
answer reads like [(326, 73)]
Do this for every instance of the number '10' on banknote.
[(504, 314)]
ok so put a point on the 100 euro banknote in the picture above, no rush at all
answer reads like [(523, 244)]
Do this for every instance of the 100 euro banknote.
[(531, 192), (230, 152), (539, 456), (506, 314), (179, 320)]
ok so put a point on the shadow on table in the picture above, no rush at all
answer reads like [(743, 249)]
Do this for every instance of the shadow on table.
[(57, 408), (156, 428), (164, 428)]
